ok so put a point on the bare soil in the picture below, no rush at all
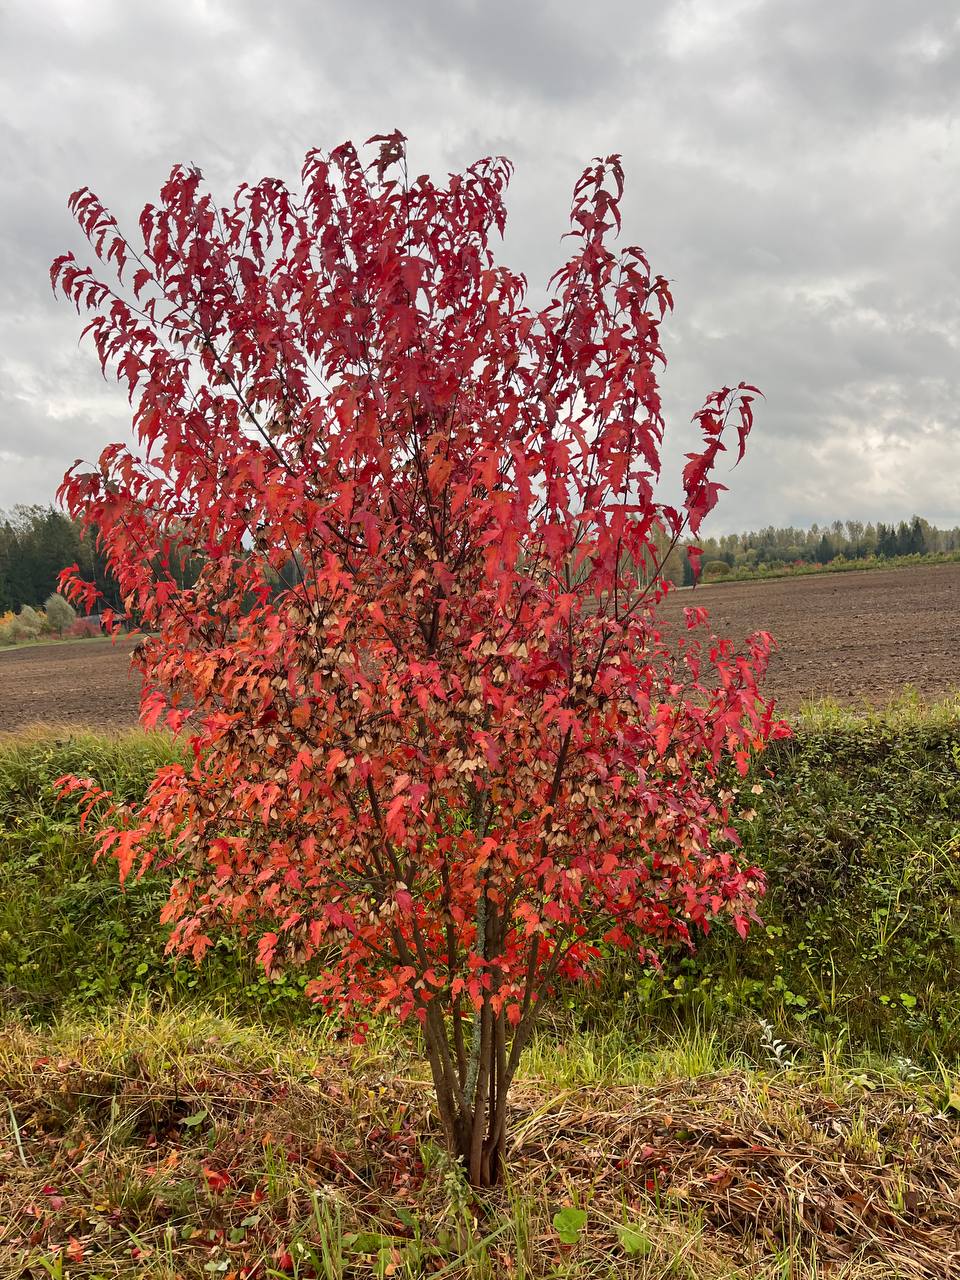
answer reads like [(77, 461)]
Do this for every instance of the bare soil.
[(856, 637), (86, 682)]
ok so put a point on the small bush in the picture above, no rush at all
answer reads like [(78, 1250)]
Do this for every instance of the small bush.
[(21, 627), (31, 620), (83, 629), (716, 569), (60, 613)]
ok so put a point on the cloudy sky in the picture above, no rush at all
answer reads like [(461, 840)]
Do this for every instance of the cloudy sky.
[(794, 168)]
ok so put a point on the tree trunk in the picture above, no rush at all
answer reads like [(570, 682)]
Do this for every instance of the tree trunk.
[(474, 1123)]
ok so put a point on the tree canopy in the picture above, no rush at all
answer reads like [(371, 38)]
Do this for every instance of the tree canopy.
[(442, 748)]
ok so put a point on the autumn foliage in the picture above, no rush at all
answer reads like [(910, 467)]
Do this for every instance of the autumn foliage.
[(442, 751)]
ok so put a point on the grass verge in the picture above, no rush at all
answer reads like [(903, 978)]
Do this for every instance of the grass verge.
[(781, 1109), (177, 1144)]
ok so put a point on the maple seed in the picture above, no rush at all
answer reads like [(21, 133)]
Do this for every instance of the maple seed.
[(394, 535)]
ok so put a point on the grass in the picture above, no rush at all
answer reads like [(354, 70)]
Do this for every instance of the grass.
[(49, 640), (783, 1109), (174, 1143), (565, 1056), (907, 713)]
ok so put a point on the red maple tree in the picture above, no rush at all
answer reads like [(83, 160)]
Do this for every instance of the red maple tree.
[(441, 749)]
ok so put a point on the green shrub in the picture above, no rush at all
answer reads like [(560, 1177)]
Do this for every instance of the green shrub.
[(70, 936), (60, 613), (12, 631), (21, 627), (716, 569), (31, 621), (858, 831)]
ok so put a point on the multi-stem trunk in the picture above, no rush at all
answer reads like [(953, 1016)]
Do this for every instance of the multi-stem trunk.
[(472, 1077), (472, 1104)]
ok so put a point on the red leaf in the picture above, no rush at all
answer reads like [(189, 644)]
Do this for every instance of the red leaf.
[(216, 1179)]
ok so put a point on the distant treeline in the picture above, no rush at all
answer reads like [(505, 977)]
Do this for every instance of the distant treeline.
[(35, 544), (774, 548)]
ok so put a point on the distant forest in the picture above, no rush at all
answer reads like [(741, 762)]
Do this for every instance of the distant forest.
[(773, 549), (36, 542)]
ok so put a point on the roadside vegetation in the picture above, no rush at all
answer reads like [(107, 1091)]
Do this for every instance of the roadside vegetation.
[(770, 1108), (856, 821)]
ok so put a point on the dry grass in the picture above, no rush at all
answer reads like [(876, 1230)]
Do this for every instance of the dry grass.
[(176, 1145), (870, 1177)]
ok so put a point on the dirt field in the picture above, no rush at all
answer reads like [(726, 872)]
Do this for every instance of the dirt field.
[(849, 636), (77, 682), (852, 636)]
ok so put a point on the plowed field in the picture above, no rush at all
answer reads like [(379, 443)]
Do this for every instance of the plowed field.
[(86, 682), (849, 636), (852, 636)]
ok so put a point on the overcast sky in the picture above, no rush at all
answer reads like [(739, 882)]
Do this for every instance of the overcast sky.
[(793, 168)]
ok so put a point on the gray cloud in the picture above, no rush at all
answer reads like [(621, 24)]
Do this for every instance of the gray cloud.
[(793, 169)]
